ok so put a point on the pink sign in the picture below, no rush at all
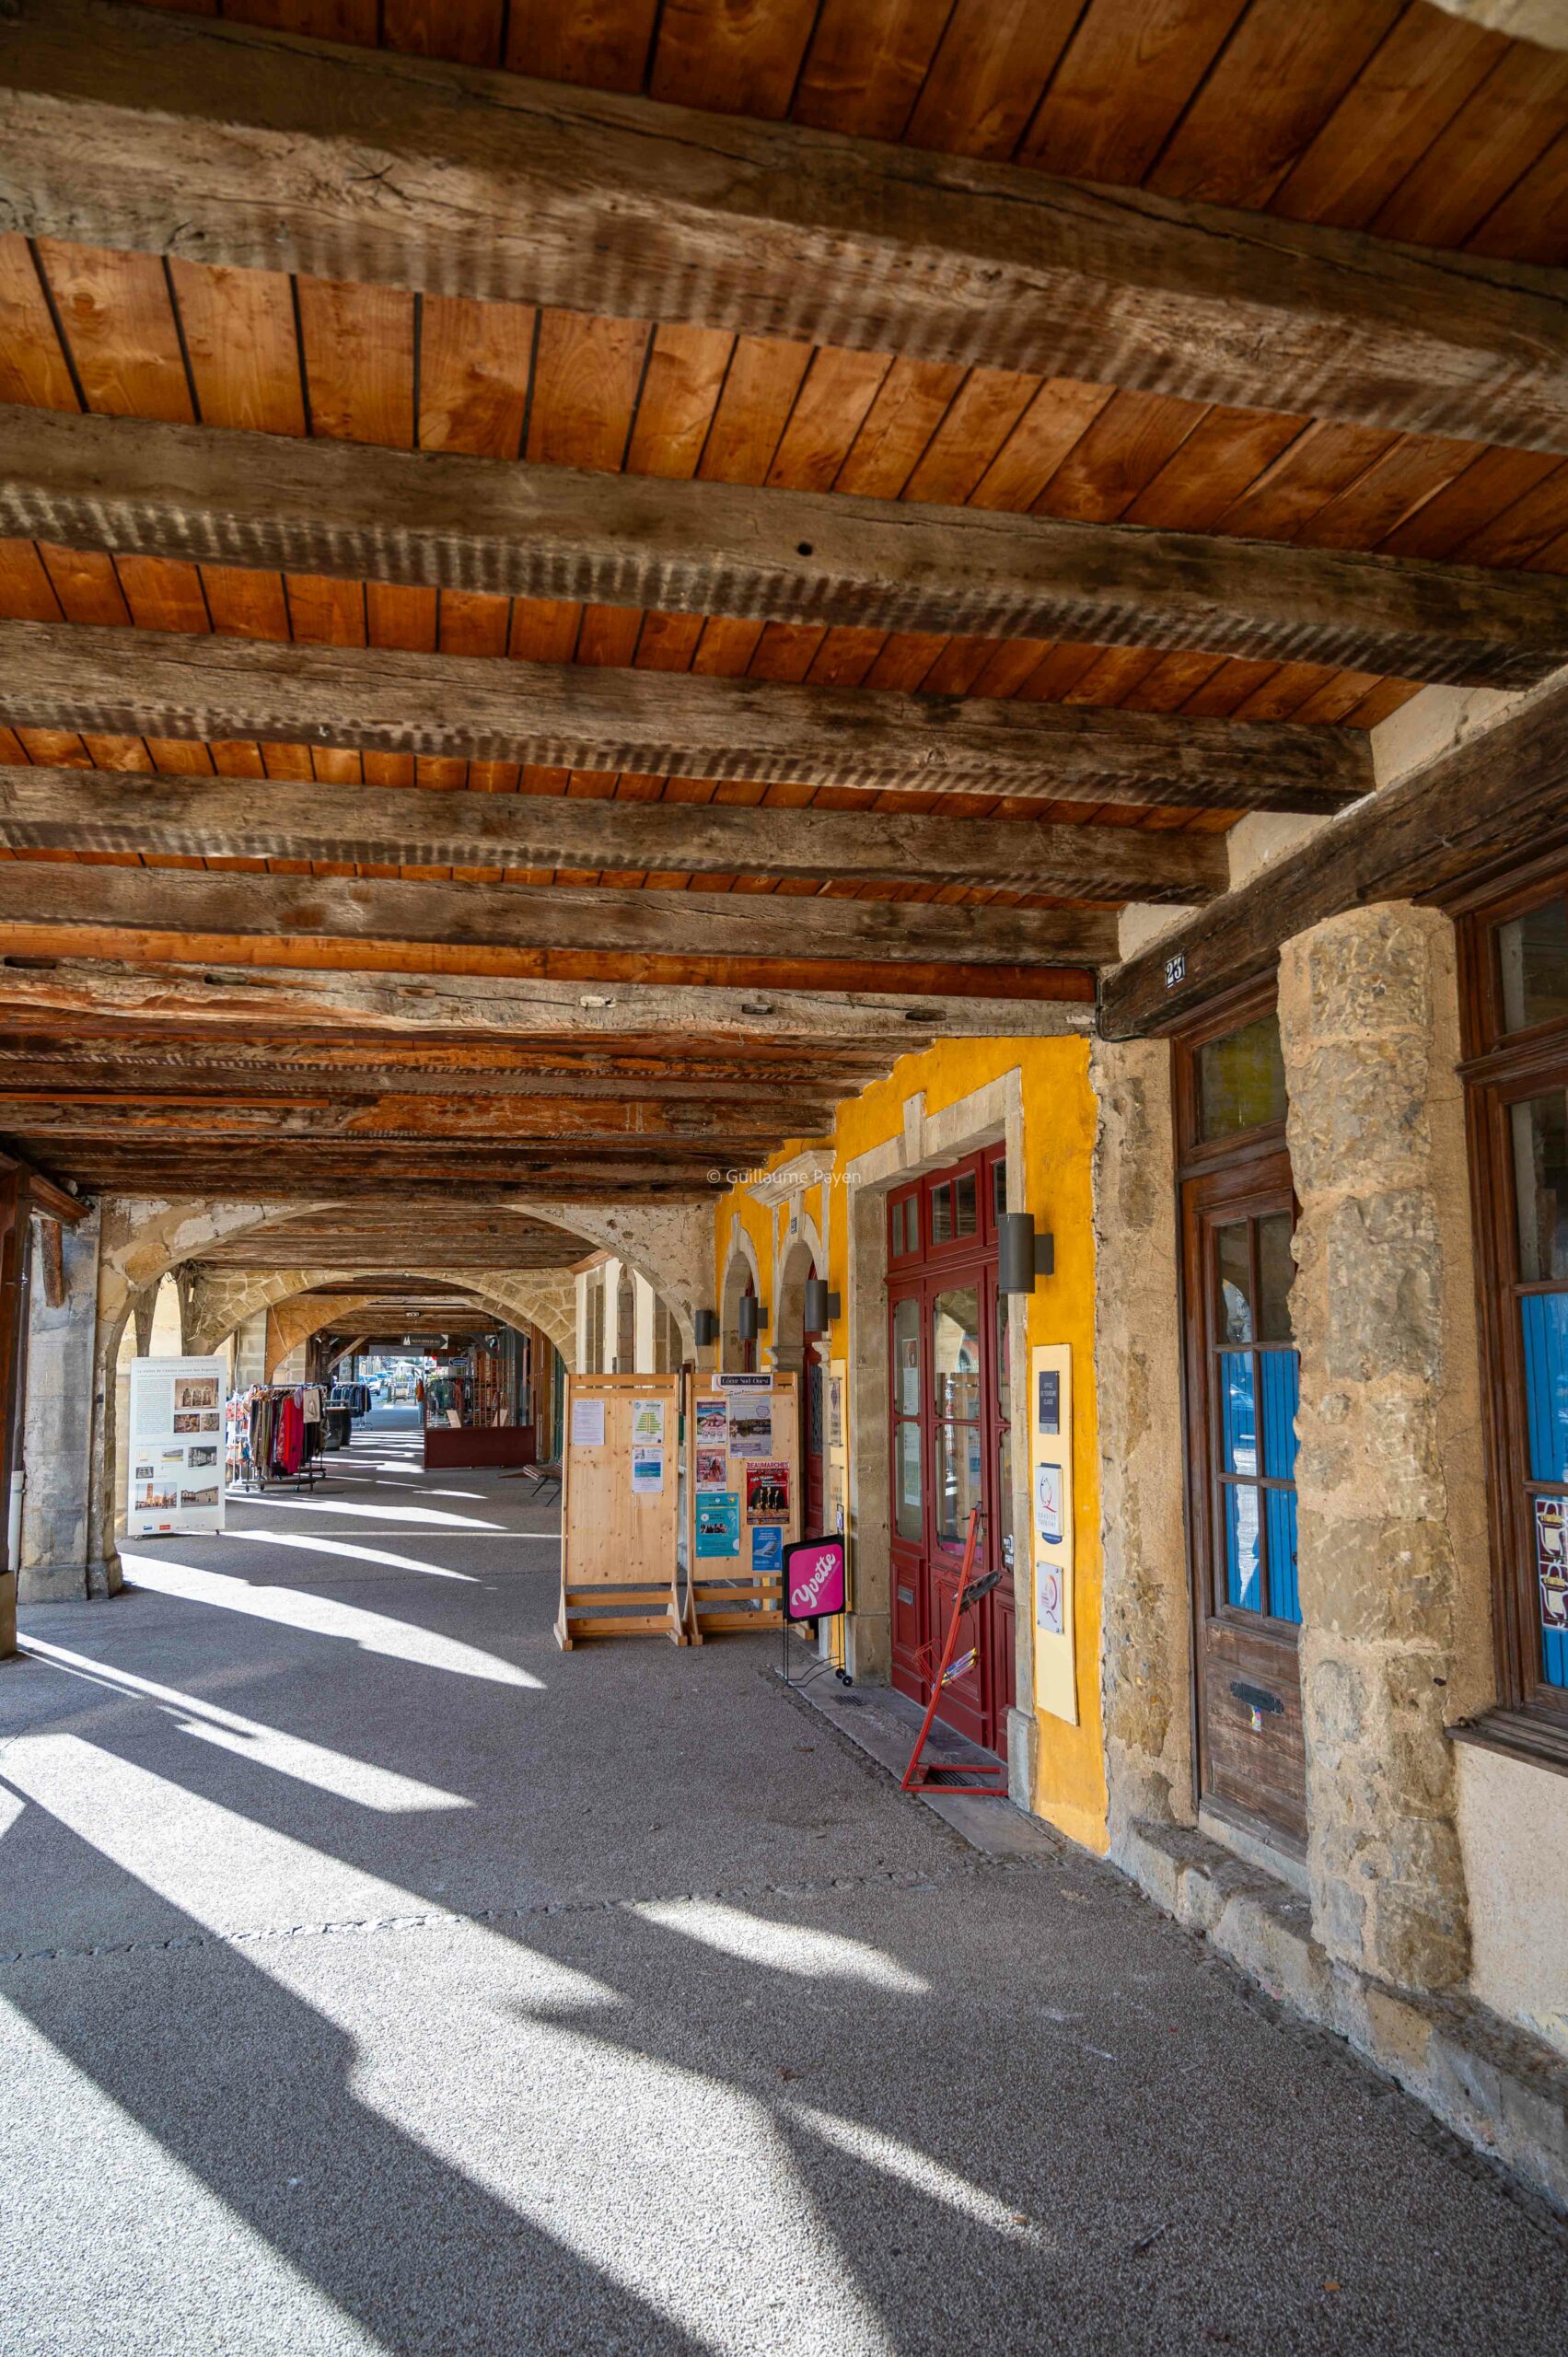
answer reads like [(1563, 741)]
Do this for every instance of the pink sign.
[(815, 1579)]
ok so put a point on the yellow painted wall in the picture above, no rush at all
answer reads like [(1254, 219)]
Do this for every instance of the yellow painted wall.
[(1059, 1131)]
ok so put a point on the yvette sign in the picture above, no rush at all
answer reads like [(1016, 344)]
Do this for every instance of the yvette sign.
[(815, 1579)]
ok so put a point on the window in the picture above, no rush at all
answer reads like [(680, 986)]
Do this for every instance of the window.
[(1514, 970), (1243, 1389), (1241, 1080), (1257, 1383)]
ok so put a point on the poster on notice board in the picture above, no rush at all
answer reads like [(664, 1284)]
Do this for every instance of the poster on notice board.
[(177, 1407)]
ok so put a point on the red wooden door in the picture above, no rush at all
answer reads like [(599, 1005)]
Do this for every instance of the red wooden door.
[(950, 1439)]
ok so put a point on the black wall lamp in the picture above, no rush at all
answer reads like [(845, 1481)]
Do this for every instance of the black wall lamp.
[(821, 1307), (753, 1318), (705, 1326), (1021, 1255)]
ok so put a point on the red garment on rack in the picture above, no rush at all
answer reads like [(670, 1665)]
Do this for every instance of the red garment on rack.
[(288, 1448)]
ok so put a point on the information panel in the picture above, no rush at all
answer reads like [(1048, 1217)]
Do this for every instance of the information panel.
[(176, 1437)]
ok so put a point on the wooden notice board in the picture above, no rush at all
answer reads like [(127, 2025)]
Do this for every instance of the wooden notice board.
[(620, 1509), (742, 1478)]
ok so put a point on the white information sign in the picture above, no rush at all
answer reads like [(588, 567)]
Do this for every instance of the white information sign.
[(177, 1443), (587, 1423)]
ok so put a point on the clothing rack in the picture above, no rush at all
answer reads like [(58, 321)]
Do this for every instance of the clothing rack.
[(267, 1424)]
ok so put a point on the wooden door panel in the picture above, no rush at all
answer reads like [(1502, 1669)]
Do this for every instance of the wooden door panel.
[(1256, 1756)]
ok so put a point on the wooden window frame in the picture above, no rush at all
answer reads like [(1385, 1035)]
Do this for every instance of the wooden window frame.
[(1499, 1069), (1197, 1159)]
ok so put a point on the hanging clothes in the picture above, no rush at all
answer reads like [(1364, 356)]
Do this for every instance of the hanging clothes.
[(288, 1442)]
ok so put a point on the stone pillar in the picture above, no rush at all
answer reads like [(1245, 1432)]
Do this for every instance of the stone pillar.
[(1394, 1579), (1146, 1663), (57, 1427)]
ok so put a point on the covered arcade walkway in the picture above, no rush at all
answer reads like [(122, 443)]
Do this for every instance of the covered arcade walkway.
[(379, 1979)]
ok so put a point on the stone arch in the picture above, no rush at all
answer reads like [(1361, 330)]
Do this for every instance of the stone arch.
[(545, 1302), (801, 1257), (740, 1268), (669, 1244)]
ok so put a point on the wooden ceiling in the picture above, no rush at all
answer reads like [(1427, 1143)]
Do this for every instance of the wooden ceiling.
[(782, 539)]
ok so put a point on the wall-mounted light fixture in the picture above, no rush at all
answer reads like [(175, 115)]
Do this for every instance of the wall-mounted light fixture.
[(753, 1318), (1021, 1255), (821, 1307), (705, 1326)]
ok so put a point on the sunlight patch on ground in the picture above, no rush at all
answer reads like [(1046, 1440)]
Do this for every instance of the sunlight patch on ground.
[(916, 2169), (783, 1947), (592, 2115), (431, 1518), (324, 1616), (288, 1755), (230, 1873), (309, 1544)]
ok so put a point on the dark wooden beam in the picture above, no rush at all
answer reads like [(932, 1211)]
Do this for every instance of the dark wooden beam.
[(41, 1194), (229, 1000), (114, 1112), (1500, 791), (446, 521), (410, 827), (58, 1066), (519, 916), (183, 136), (485, 708)]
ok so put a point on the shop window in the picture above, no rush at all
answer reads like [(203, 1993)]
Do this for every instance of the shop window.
[(1242, 1395), (1514, 970), (1533, 966)]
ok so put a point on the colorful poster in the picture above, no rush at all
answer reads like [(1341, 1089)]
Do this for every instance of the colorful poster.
[(767, 1491), (647, 1471), (173, 1400), (587, 1423), (718, 1523), (713, 1423), (1048, 1504), (1552, 1563), (767, 1548), (713, 1468), (816, 1579), (751, 1428), (648, 1423)]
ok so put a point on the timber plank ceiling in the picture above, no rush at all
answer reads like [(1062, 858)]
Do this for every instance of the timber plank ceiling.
[(1399, 121)]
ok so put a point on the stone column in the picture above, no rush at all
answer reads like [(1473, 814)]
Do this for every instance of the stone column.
[(1394, 1580), (1147, 1668), (57, 1426)]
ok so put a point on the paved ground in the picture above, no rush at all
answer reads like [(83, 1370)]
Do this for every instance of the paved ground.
[(391, 1981)]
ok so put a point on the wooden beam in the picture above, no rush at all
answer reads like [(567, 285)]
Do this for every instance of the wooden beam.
[(412, 827), (439, 520), (41, 1194), (485, 708), (519, 916), (273, 1173), (57, 1067), (1503, 790), (238, 1000), (180, 134), (104, 1113)]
